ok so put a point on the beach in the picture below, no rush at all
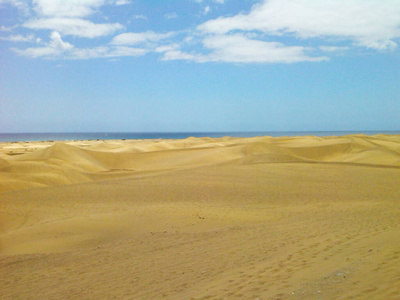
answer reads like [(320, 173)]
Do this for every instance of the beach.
[(301, 217)]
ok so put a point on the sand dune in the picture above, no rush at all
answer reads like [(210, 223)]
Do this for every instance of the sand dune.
[(64, 163), (201, 218)]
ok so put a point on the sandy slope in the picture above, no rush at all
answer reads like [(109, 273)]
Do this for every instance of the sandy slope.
[(201, 218)]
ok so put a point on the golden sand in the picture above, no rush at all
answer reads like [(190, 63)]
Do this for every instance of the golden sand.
[(201, 218)]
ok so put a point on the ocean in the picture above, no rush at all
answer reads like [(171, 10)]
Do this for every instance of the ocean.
[(67, 136)]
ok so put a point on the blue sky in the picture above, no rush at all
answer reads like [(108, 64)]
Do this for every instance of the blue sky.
[(191, 65)]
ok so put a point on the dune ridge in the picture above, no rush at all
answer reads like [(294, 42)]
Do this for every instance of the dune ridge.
[(74, 162), (65, 163), (230, 218)]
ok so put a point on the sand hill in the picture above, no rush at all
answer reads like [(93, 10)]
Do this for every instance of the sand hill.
[(201, 218)]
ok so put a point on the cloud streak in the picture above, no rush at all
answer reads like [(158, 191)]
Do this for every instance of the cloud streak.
[(238, 48), (368, 23), (57, 48), (74, 26), (70, 8), (19, 38), (133, 38)]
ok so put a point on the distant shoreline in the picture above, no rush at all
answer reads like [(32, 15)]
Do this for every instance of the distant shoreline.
[(73, 136)]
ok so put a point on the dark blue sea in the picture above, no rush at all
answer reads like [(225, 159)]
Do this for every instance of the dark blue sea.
[(67, 136)]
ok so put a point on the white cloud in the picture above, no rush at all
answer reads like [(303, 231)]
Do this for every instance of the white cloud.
[(260, 36), (55, 47), (19, 38), (240, 49), (369, 23), (377, 44), (333, 48), (106, 52), (66, 17), (37, 52), (166, 48), (127, 51), (57, 42), (5, 28), (71, 17), (81, 53), (67, 8), (172, 15), (92, 53), (21, 5), (74, 26), (188, 39), (122, 2), (133, 38), (143, 17), (179, 55)]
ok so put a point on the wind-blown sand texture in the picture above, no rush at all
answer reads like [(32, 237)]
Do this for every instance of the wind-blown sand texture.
[(201, 218)]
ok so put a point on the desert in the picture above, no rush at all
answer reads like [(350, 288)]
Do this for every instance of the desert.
[(301, 217)]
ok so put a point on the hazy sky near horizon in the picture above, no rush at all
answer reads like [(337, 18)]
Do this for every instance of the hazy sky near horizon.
[(199, 65)]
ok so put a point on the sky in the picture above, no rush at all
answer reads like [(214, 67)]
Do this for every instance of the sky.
[(199, 65)]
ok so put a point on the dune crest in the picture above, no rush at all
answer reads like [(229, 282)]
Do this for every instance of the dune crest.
[(74, 162)]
